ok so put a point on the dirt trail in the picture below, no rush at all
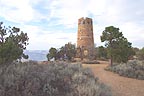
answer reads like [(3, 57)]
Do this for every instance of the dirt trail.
[(121, 86)]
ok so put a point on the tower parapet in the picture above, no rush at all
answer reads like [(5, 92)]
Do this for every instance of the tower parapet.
[(85, 40)]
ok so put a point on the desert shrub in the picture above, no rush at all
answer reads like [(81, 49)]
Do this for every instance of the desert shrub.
[(56, 79), (132, 69), (91, 62)]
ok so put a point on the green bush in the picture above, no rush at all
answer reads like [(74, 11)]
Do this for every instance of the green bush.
[(57, 79), (132, 69)]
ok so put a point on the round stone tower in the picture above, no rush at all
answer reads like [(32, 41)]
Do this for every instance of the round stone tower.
[(85, 40)]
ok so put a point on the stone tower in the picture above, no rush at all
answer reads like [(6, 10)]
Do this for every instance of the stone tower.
[(85, 40)]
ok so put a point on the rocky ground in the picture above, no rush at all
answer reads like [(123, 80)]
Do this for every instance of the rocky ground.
[(121, 86)]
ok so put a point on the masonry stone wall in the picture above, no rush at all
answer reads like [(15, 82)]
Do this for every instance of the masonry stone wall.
[(85, 40)]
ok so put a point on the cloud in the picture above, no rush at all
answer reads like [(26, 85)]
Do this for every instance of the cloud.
[(133, 32), (126, 15), (54, 22), (68, 12), (51, 40), (48, 38), (16, 11)]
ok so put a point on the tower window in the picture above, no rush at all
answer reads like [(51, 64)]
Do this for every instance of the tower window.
[(83, 22)]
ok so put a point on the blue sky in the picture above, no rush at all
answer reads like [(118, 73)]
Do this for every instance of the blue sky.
[(53, 23)]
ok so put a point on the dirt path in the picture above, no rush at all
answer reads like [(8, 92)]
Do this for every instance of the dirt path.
[(121, 86)]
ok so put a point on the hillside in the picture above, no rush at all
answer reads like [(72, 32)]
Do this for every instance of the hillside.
[(37, 55)]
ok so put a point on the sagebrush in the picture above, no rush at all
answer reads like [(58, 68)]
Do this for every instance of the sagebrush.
[(132, 69), (57, 79)]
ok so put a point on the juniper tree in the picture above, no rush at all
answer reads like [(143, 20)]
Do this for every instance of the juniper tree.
[(119, 49), (12, 44)]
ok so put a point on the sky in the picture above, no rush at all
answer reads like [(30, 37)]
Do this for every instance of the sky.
[(53, 23)]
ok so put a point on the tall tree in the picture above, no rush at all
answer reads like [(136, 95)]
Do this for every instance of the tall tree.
[(12, 43), (52, 53), (119, 49), (68, 51), (122, 50)]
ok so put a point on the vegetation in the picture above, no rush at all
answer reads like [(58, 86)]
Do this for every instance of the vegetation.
[(119, 49), (140, 54), (57, 79), (132, 69), (12, 43), (52, 53), (68, 51), (101, 53)]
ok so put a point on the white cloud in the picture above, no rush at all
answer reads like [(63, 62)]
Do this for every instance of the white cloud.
[(68, 11), (47, 38), (16, 10), (126, 14), (133, 32), (51, 40)]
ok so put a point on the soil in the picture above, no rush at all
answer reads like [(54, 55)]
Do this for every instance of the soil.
[(121, 86)]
